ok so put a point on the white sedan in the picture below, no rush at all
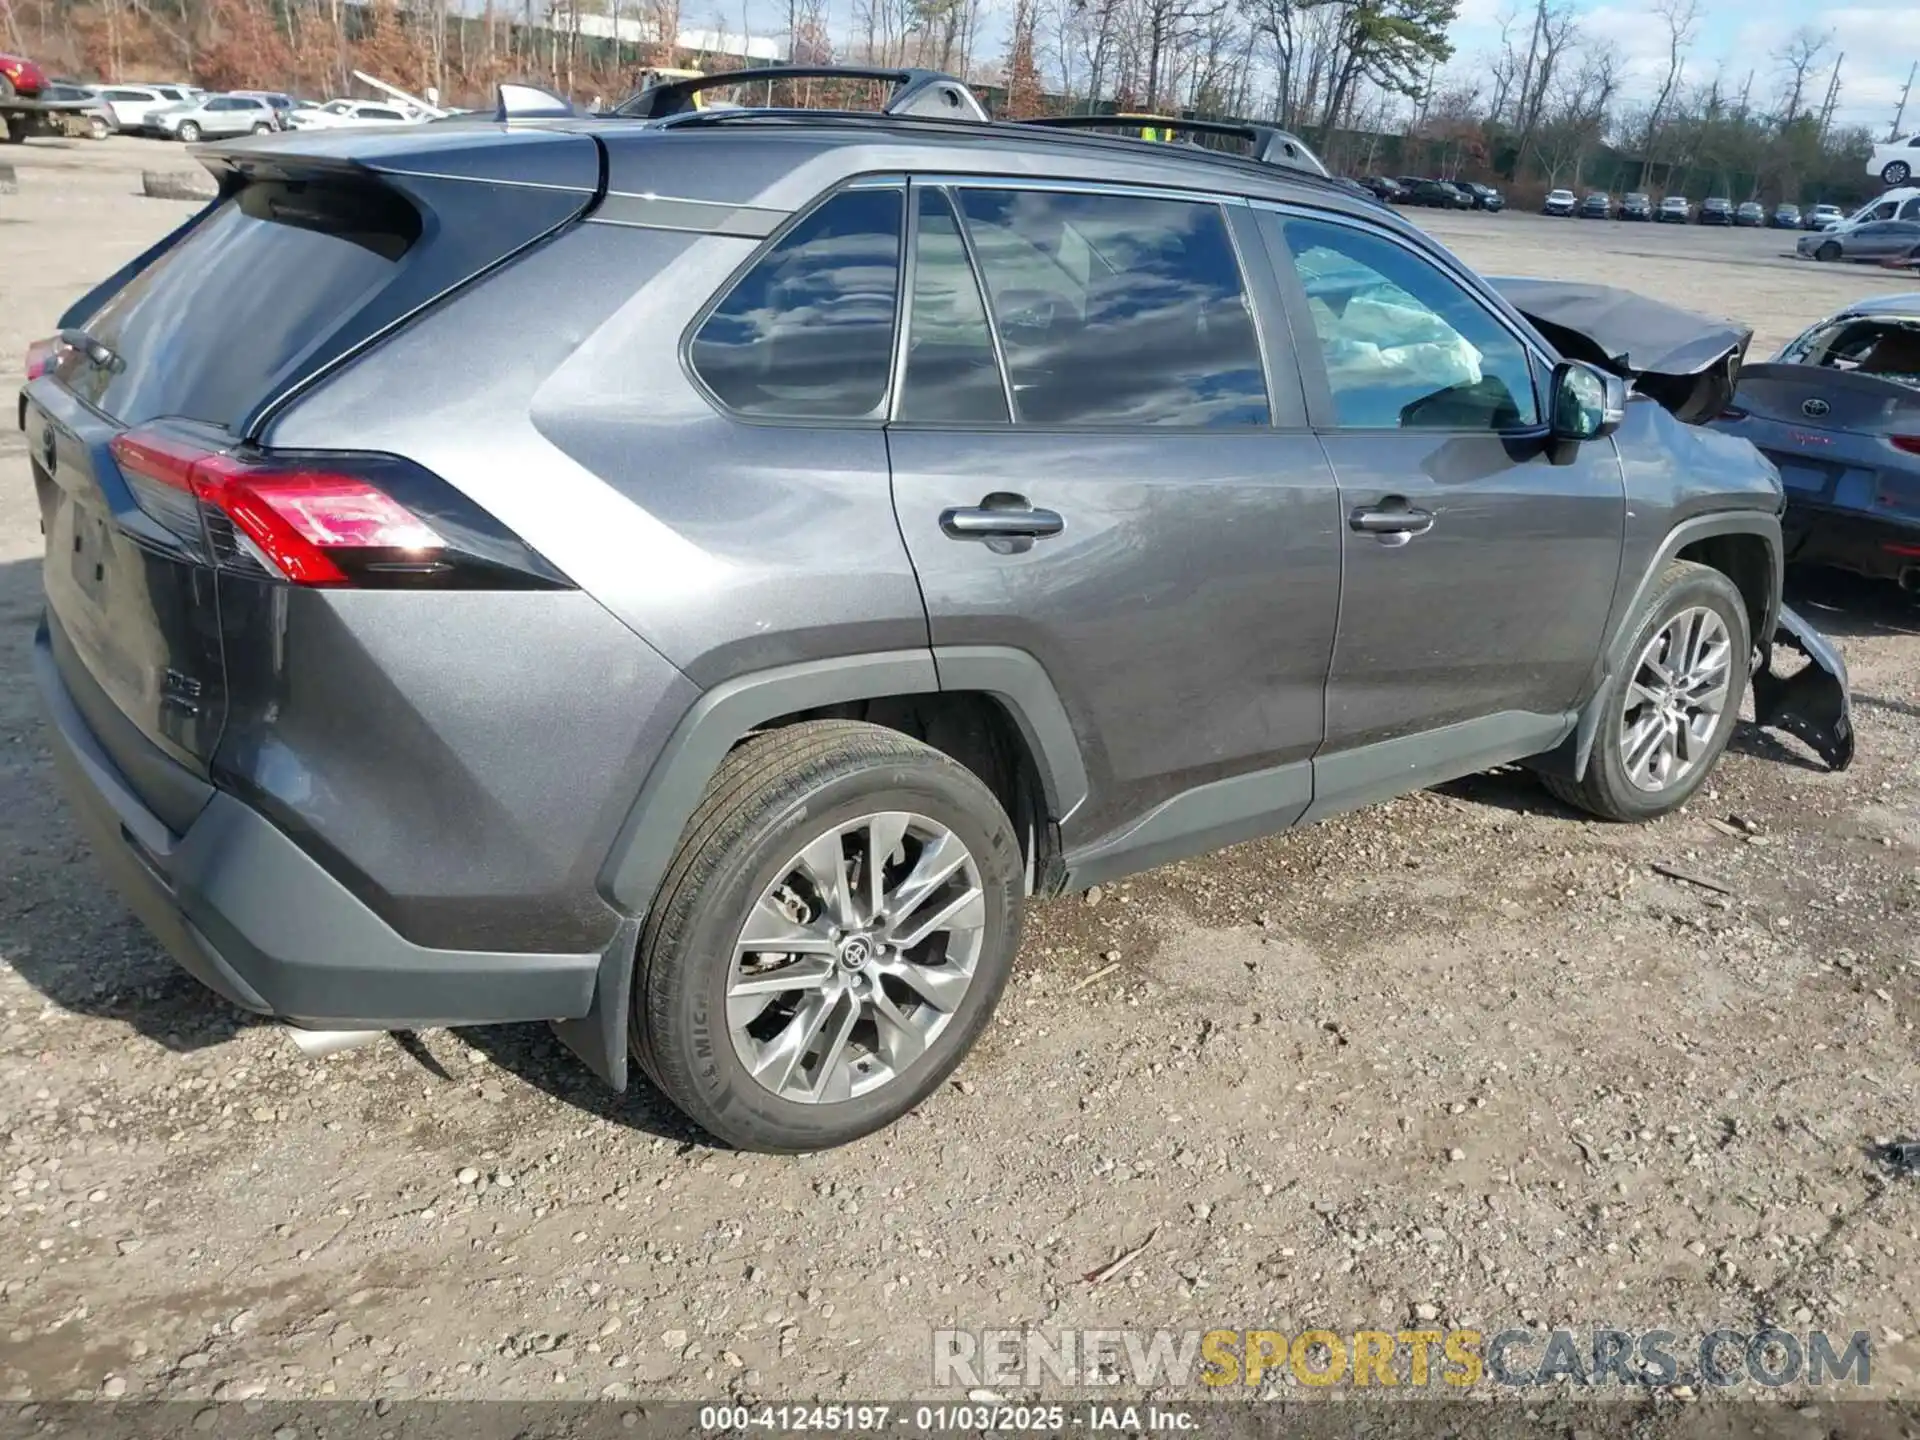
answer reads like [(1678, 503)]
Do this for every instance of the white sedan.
[(345, 114), (1895, 162)]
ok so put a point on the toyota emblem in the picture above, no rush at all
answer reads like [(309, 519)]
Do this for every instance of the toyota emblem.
[(1814, 409)]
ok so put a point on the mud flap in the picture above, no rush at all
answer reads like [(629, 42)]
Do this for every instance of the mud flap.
[(1814, 702)]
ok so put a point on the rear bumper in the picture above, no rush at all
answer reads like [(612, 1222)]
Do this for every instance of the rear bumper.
[(1849, 540), (252, 916)]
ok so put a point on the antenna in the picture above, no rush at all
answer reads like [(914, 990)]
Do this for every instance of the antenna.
[(1900, 114)]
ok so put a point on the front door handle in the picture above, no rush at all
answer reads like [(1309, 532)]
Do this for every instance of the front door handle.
[(1393, 520), (1001, 516)]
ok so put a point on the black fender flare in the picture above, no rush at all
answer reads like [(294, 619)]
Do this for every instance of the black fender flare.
[(733, 709), (1571, 756)]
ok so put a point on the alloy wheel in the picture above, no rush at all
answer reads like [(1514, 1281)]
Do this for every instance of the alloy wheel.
[(1678, 690), (1897, 173), (855, 957)]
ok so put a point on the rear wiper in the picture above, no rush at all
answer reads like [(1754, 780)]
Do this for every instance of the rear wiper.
[(102, 357)]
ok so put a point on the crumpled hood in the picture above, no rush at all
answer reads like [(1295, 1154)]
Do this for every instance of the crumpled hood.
[(1687, 362)]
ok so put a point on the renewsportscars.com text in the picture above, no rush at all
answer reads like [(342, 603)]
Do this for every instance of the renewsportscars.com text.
[(1415, 1359)]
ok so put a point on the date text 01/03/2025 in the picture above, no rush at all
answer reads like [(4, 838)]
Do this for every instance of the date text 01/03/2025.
[(967, 1417)]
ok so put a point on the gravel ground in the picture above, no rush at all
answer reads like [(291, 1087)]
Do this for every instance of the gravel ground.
[(1462, 1058)]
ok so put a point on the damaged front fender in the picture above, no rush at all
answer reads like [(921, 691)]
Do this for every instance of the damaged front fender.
[(1814, 703)]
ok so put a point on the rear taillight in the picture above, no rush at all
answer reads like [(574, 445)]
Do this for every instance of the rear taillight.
[(1908, 443), (325, 518), (40, 357)]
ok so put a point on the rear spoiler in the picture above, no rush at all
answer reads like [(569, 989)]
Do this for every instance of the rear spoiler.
[(1687, 362)]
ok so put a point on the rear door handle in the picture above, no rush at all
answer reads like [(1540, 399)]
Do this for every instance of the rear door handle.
[(1393, 520), (1001, 517)]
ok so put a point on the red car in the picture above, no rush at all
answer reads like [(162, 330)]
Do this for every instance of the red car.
[(20, 76)]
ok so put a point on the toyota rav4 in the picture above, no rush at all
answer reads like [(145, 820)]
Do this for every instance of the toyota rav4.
[(693, 574)]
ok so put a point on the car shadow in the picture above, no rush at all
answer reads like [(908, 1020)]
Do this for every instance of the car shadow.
[(1846, 606), (535, 1055)]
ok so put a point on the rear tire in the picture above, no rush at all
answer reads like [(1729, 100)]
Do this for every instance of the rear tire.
[(15, 127), (263, 128), (1619, 784), (778, 804), (1898, 172)]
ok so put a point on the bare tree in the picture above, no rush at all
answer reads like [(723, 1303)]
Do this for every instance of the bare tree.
[(1797, 60), (1680, 17)]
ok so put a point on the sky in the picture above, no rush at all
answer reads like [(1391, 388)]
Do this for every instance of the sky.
[(1880, 40)]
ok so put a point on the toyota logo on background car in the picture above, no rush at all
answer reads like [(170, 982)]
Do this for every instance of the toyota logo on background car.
[(1815, 408)]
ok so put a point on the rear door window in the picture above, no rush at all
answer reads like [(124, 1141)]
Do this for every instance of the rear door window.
[(203, 331), (1117, 310), (807, 332)]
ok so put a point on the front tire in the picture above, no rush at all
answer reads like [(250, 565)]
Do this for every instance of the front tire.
[(1898, 172), (1667, 713), (190, 132), (830, 939), (98, 128), (1828, 252)]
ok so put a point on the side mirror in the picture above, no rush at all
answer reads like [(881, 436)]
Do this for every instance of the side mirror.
[(1588, 404)]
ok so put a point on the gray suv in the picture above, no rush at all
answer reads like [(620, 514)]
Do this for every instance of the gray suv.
[(692, 575)]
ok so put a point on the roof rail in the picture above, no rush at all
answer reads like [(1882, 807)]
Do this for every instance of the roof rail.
[(921, 93), (1271, 146)]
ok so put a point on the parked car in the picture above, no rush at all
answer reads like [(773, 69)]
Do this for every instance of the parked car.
[(839, 697), (217, 115), (20, 77), (1786, 216), (1716, 210), (1750, 213), (1559, 202), (352, 114), (1822, 217), (134, 107), (1434, 194), (1875, 241), (1597, 205), (1636, 205), (1894, 163), (1674, 210), (1838, 411), (1385, 189), (1462, 196), (280, 102), (1485, 197)]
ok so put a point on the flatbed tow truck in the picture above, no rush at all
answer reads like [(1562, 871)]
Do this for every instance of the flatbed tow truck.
[(24, 118)]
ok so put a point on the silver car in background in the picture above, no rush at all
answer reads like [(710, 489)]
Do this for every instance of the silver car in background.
[(218, 115)]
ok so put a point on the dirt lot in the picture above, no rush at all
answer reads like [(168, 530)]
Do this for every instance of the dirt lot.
[(1463, 1052)]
